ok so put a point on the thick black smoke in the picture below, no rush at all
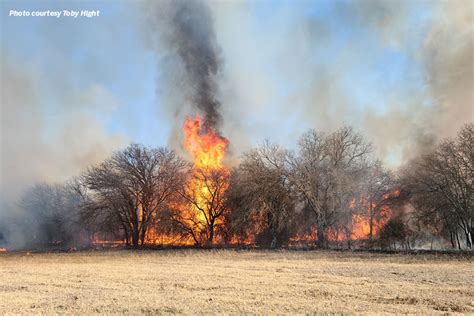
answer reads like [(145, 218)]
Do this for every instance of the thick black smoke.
[(186, 29)]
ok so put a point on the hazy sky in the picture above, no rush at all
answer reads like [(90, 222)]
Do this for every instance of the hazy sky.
[(74, 90)]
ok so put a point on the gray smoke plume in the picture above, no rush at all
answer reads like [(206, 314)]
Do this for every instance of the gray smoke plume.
[(278, 73), (289, 70), (186, 33)]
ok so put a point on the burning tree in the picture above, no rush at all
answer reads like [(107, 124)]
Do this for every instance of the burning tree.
[(379, 190), (203, 195), (186, 29)]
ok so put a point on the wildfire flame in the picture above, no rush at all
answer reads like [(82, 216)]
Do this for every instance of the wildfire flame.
[(361, 223), (207, 148), (204, 144)]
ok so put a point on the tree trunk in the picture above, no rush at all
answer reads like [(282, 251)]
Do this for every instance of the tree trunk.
[(468, 239), (274, 233), (371, 224), (273, 224), (211, 233), (125, 232), (143, 233), (321, 233), (144, 227), (274, 242), (453, 242), (457, 239), (135, 235), (142, 236), (127, 238)]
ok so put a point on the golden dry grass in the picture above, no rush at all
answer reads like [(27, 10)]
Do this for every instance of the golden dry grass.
[(226, 281)]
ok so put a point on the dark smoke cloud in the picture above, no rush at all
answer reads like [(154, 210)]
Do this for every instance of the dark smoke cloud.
[(186, 32)]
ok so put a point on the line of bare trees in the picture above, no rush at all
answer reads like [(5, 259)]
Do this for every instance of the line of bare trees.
[(321, 186), (273, 197)]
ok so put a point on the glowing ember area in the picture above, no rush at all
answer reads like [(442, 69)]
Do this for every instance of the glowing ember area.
[(3, 250), (361, 224), (205, 145), (160, 239), (361, 227)]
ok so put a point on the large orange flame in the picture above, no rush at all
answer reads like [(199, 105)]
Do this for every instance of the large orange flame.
[(205, 145), (207, 148)]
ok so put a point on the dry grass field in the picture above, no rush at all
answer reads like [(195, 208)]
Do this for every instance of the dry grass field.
[(227, 281)]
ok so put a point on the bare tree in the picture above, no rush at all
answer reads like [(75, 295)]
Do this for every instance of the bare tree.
[(441, 185), (326, 172), (394, 232), (133, 186), (262, 197), (53, 211)]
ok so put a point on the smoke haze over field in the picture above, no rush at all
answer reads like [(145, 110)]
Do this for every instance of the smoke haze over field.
[(27, 155)]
